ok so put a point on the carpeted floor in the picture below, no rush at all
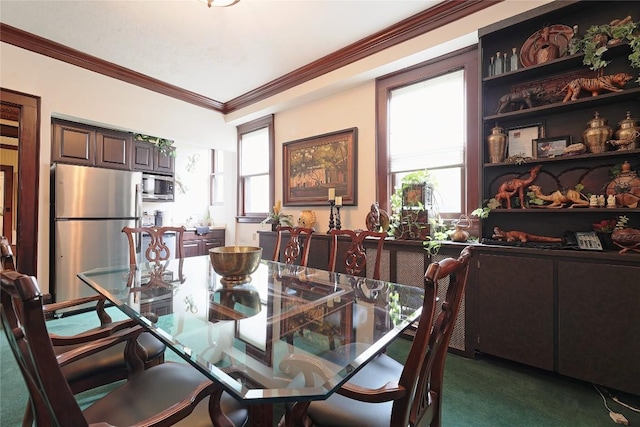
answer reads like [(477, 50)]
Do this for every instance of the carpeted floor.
[(482, 392)]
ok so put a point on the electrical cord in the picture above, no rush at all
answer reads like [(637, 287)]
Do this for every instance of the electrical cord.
[(615, 416), (619, 402)]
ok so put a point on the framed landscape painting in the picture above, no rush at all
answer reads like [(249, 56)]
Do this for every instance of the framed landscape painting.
[(312, 166)]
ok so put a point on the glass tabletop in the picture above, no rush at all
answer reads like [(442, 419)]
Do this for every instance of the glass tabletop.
[(288, 333)]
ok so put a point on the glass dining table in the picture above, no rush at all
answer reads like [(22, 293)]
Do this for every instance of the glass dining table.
[(258, 338)]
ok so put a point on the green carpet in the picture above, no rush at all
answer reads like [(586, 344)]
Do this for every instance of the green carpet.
[(482, 392)]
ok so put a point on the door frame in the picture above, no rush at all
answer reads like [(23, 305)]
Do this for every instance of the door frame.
[(28, 178)]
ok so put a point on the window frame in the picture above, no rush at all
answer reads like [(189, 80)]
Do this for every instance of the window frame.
[(467, 59), (254, 125), (214, 176)]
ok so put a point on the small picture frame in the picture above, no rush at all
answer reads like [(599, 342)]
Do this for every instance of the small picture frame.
[(546, 148), (520, 139)]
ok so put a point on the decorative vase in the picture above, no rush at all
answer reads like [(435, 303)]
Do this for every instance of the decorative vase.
[(597, 134), (307, 218), (628, 130), (497, 144), (460, 234)]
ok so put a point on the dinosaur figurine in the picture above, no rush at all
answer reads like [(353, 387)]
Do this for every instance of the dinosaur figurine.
[(558, 199), (510, 186), (521, 236)]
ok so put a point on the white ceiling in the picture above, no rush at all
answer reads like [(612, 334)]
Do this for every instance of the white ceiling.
[(220, 53)]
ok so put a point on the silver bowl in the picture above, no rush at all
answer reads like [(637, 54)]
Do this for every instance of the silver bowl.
[(235, 263)]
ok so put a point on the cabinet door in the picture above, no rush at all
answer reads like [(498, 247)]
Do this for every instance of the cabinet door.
[(515, 309), (143, 156), (598, 318), (73, 144), (164, 163), (192, 248), (113, 149), (210, 243)]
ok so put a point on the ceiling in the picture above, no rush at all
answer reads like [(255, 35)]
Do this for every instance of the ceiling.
[(218, 53)]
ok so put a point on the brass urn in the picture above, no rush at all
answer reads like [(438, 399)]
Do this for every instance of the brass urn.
[(597, 134), (628, 131), (497, 145)]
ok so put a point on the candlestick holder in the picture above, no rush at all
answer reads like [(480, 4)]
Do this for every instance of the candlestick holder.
[(331, 223), (338, 222)]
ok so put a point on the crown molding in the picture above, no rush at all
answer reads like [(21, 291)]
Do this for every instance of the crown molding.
[(428, 20)]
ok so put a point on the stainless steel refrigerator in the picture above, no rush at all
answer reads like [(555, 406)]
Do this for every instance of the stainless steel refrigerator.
[(90, 206)]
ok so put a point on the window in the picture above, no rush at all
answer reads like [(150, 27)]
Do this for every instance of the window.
[(427, 118), (255, 169), (216, 181)]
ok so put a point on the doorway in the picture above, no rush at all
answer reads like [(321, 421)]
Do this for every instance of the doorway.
[(6, 202), (24, 109)]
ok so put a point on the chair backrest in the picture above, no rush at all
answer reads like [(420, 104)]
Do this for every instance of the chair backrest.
[(355, 259), (6, 255), (293, 249), (52, 402), (423, 370), (157, 250)]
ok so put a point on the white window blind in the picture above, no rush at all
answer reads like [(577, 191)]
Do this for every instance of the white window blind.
[(427, 124)]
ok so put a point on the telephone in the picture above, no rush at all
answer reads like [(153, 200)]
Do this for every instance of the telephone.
[(587, 240)]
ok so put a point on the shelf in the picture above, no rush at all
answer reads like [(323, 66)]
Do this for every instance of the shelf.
[(571, 210), (555, 66), (582, 103), (568, 158)]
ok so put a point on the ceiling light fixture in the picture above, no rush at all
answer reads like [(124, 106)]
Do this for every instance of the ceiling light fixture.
[(221, 3)]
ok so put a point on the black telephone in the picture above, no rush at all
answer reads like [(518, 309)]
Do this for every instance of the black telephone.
[(587, 240)]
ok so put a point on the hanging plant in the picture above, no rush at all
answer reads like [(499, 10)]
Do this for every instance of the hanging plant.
[(598, 38), (164, 145)]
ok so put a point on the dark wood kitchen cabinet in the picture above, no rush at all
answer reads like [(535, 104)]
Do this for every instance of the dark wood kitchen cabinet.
[(148, 158), (199, 244), (86, 145)]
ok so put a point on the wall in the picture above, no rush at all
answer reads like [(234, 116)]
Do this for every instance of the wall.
[(76, 94)]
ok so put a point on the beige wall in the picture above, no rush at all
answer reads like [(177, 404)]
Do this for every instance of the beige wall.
[(338, 100)]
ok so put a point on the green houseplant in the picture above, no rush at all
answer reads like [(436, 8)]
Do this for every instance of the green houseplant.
[(597, 40), (409, 217), (276, 217)]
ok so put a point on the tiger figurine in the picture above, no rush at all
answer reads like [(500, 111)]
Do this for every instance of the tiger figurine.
[(595, 85)]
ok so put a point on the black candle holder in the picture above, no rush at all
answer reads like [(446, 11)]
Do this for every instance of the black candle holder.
[(338, 222), (331, 223)]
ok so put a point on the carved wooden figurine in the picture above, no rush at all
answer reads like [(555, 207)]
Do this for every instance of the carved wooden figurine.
[(559, 199), (521, 236), (595, 85), (510, 186)]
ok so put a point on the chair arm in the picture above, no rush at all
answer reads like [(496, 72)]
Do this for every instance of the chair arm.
[(93, 334), (389, 391), (101, 300), (95, 346)]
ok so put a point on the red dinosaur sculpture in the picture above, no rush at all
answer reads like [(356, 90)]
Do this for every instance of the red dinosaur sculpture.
[(510, 186)]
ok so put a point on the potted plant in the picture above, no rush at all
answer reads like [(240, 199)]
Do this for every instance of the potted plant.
[(277, 217), (409, 217), (598, 38)]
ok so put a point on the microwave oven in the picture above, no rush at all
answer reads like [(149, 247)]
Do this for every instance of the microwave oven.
[(158, 188)]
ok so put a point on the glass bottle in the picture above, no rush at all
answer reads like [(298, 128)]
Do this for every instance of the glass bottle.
[(499, 65), (513, 61), (492, 67)]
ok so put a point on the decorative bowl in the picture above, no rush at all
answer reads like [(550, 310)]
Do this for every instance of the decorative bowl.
[(235, 263)]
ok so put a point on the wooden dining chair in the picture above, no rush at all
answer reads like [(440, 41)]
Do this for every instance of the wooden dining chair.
[(386, 393), (157, 250), (163, 395), (100, 368), (355, 257), (293, 248)]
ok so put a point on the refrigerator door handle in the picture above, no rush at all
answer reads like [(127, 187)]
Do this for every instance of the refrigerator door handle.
[(139, 216)]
